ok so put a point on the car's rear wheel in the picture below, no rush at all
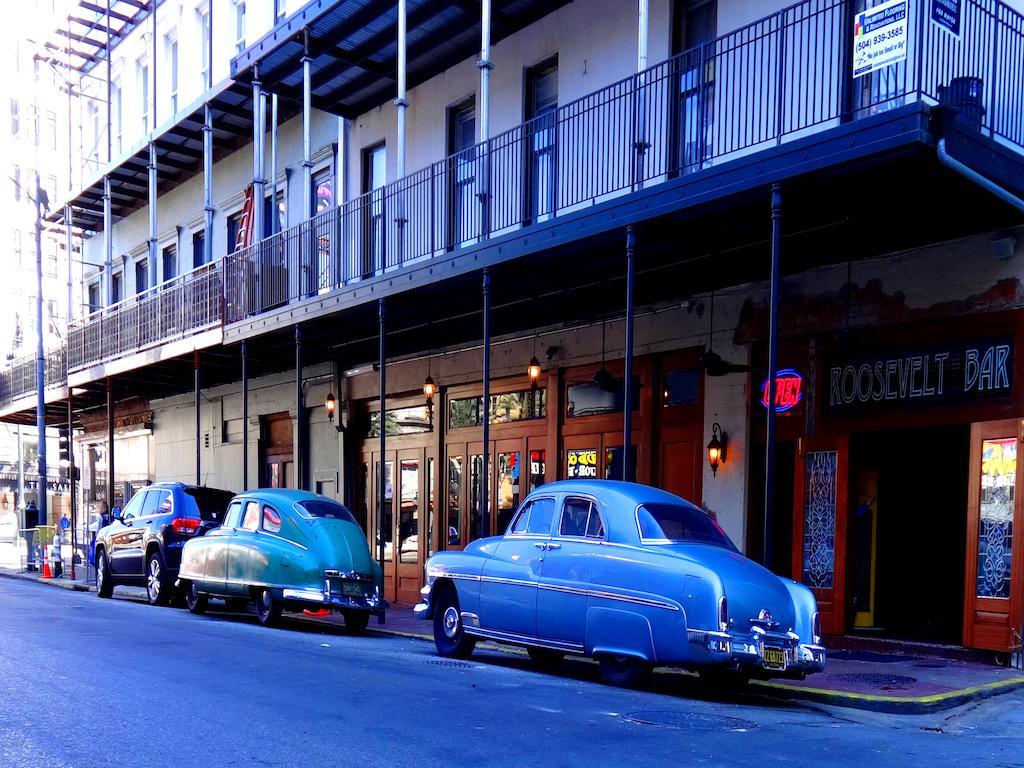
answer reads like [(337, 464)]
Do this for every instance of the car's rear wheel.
[(545, 658), (450, 637), (624, 671), (195, 600), (356, 621), (267, 608), (104, 584), (158, 588)]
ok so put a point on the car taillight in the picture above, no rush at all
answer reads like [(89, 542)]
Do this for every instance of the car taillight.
[(187, 525), (723, 614)]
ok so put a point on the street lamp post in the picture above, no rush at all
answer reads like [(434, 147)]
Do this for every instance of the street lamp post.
[(41, 202)]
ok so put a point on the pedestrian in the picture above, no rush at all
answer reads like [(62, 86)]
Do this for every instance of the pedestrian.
[(31, 521), (57, 557)]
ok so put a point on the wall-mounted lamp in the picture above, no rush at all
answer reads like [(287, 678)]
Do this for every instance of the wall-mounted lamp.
[(429, 389), (331, 405), (716, 448), (533, 369)]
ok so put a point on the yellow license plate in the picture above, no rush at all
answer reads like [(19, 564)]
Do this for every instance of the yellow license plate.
[(774, 658)]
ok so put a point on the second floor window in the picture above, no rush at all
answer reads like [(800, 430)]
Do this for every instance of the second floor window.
[(93, 119), (204, 48), (15, 117), (169, 259), (239, 26), (115, 288), (541, 109), (279, 10), (198, 248), (141, 275), (373, 218), (172, 68), (115, 97), (142, 79), (16, 181), (93, 297)]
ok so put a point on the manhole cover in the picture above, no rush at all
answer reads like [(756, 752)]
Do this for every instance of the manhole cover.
[(877, 679), (690, 720), (447, 663)]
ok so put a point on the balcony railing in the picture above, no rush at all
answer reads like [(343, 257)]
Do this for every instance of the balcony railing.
[(184, 306), (19, 379), (778, 79)]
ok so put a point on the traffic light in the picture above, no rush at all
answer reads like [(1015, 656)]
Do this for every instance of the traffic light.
[(64, 446)]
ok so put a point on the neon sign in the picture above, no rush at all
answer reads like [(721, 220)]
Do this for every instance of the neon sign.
[(789, 390)]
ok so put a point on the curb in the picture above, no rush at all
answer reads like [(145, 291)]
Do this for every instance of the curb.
[(59, 583), (896, 705)]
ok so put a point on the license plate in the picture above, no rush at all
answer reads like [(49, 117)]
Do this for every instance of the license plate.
[(774, 658), (352, 589)]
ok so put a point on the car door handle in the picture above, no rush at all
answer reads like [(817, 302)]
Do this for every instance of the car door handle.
[(540, 544), (551, 546)]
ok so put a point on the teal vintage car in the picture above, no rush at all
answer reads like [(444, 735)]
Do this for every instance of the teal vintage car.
[(286, 551)]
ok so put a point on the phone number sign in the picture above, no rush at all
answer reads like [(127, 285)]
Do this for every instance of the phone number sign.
[(879, 37)]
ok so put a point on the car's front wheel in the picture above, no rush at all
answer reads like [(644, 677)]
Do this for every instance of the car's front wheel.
[(450, 637), (624, 671), (104, 584), (267, 608), (356, 621), (195, 600), (158, 588)]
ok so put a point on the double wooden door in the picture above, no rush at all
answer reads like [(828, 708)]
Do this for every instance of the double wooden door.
[(401, 518)]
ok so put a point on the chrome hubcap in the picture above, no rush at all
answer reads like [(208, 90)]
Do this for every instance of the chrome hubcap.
[(265, 600), (154, 579), (99, 574), (451, 622)]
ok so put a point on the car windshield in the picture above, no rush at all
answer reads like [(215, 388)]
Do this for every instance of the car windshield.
[(677, 523), (211, 502), (331, 510)]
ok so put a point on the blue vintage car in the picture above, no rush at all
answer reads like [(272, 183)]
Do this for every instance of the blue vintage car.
[(286, 551), (630, 575)]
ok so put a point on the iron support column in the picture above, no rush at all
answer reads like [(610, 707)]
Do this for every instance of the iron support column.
[(485, 65), (108, 240), (773, 350), (257, 158), (627, 386), (207, 184), (382, 370), (245, 416), (485, 508), (401, 104), (152, 217), (307, 111), (300, 426), (273, 164), (68, 224), (40, 357), (641, 46), (71, 485), (110, 444), (195, 377)]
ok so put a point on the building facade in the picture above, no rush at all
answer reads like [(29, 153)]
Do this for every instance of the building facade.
[(510, 243)]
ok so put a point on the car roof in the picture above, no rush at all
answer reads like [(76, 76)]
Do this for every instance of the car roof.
[(613, 491), (169, 485), (283, 497)]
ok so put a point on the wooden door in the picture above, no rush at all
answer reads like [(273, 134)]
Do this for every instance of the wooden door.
[(410, 525), (819, 524), (992, 590), (679, 462), (278, 456)]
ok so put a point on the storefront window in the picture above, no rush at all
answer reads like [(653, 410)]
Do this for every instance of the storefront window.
[(430, 507), (506, 408), (680, 387), (537, 468), (413, 420), (388, 522), (593, 399), (613, 463), (995, 529), (581, 463), (819, 542), (454, 498), (409, 512), (476, 503), (508, 487)]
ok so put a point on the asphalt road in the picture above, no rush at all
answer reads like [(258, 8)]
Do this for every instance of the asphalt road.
[(86, 683)]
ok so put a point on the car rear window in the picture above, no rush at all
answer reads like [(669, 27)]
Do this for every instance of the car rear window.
[(211, 502), (331, 510), (678, 523)]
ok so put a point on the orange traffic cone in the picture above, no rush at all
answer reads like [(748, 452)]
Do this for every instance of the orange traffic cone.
[(46, 569)]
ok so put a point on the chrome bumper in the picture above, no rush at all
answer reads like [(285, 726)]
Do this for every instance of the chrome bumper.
[(373, 604), (422, 609), (748, 652)]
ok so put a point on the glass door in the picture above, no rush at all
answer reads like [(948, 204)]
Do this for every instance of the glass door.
[(993, 571), (819, 524), (409, 522)]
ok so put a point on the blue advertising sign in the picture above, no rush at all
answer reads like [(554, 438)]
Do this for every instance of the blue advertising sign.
[(946, 13)]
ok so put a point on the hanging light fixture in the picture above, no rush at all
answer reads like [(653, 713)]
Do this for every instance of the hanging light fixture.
[(534, 370), (429, 389), (716, 448), (330, 404)]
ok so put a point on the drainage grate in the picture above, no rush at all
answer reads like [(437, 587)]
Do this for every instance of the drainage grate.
[(449, 663), (877, 679), (689, 720)]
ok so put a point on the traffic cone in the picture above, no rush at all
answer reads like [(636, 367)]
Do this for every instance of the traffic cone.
[(46, 569)]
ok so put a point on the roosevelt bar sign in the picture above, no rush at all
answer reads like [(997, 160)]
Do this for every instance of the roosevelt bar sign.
[(954, 373)]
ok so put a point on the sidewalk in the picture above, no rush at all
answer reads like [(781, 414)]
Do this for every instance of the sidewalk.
[(65, 582), (915, 682)]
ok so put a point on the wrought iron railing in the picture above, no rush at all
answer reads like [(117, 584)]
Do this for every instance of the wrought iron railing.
[(183, 306), (19, 378), (778, 79)]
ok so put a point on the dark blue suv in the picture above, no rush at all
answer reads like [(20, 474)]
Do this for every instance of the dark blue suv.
[(142, 546)]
